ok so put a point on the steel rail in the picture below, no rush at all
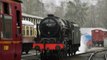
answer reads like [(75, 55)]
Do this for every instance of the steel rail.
[(96, 52)]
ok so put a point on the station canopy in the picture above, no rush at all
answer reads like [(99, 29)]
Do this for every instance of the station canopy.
[(24, 22)]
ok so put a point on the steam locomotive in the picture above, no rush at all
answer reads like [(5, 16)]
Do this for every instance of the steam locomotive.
[(57, 37)]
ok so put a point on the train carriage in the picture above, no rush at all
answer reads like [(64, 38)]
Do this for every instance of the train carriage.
[(98, 37), (29, 30), (10, 30)]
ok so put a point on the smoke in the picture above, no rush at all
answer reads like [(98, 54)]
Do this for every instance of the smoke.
[(52, 5), (83, 47)]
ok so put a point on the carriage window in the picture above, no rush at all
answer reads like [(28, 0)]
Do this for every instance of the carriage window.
[(22, 18), (30, 30), (27, 30), (31, 19), (0, 21), (34, 21), (6, 8), (26, 18), (23, 30), (0, 6), (33, 31), (6, 27)]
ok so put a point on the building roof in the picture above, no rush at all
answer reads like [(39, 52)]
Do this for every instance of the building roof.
[(24, 22), (32, 16)]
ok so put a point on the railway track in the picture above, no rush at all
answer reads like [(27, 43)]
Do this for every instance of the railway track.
[(32, 55), (93, 55), (105, 56), (98, 55)]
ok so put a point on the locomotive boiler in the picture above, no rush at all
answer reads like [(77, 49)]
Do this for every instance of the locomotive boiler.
[(57, 35)]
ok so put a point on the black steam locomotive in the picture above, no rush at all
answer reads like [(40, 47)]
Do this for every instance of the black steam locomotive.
[(57, 36)]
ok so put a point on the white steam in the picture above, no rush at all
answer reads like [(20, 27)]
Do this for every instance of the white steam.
[(51, 5)]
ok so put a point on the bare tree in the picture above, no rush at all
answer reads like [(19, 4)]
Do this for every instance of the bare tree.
[(77, 12), (34, 7)]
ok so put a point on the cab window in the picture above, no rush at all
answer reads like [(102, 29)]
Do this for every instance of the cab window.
[(0, 18), (6, 26), (23, 30), (6, 8), (0, 6)]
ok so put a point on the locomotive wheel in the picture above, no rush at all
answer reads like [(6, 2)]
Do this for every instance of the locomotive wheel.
[(74, 53), (64, 53), (52, 55), (70, 51), (46, 55), (43, 56), (26, 52), (60, 54)]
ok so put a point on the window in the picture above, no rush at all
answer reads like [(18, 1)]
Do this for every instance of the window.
[(22, 18), (30, 30), (0, 6), (6, 8), (23, 30), (26, 18), (33, 31), (6, 27), (29, 19), (27, 30), (34, 21)]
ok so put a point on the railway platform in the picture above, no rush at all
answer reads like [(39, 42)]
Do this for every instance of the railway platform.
[(95, 49), (92, 50)]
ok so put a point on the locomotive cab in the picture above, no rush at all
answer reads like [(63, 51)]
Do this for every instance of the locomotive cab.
[(10, 30)]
